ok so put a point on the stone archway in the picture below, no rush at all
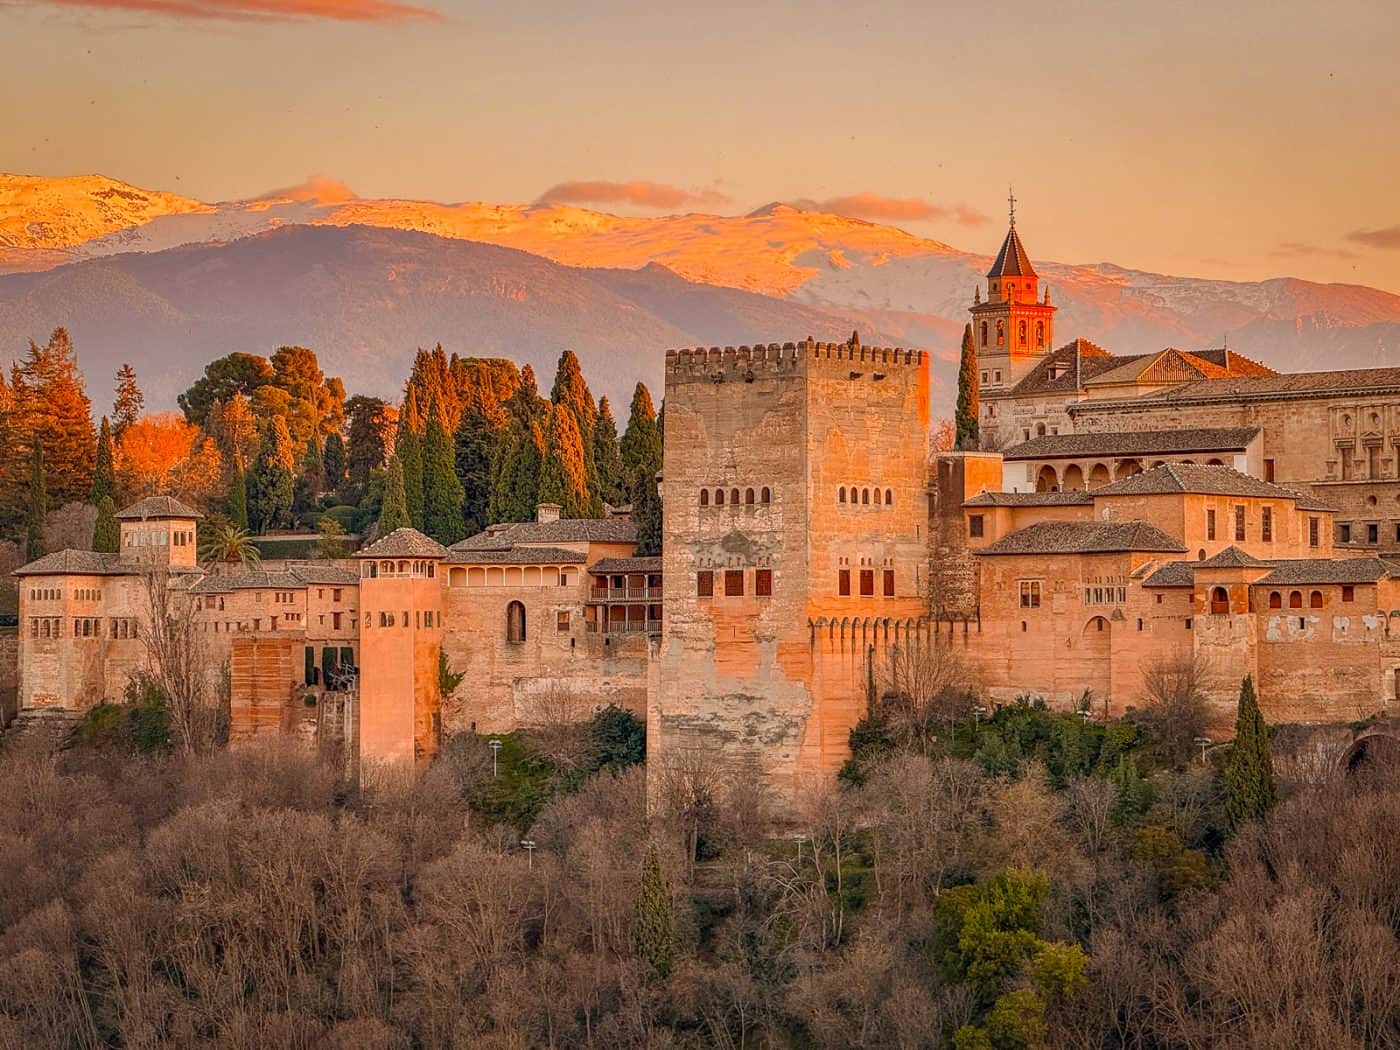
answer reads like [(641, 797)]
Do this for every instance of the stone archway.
[(1127, 468), (1098, 477), (1047, 480), (1073, 480), (1372, 749)]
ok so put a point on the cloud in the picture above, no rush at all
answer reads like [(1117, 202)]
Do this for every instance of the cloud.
[(1385, 237), (264, 10), (898, 209), (317, 189), (1298, 248), (640, 193)]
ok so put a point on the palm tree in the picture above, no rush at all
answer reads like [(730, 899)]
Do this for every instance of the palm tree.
[(228, 544)]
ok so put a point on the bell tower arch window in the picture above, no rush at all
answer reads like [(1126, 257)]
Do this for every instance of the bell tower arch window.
[(1001, 333)]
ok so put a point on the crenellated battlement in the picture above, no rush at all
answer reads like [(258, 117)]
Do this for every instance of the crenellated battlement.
[(718, 364)]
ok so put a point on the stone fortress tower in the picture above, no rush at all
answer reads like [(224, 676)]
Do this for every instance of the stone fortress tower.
[(795, 520)]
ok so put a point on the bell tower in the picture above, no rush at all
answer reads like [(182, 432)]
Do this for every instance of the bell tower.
[(1015, 325)]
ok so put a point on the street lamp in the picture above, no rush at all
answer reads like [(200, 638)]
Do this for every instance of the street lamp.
[(495, 746), (1084, 715), (1203, 742), (529, 846), (978, 713), (799, 840)]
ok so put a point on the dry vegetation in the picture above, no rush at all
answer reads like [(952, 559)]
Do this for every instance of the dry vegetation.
[(248, 899)]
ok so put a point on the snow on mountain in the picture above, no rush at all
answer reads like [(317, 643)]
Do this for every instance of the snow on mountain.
[(47, 214)]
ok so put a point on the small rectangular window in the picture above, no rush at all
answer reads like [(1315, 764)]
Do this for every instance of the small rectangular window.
[(733, 583), (1210, 524), (705, 584), (1348, 594), (763, 582), (1268, 470), (1344, 532), (1266, 524), (561, 620), (843, 583), (867, 583), (1312, 532), (1030, 594), (1239, 524), (889, 583), (1373, 533), (975, 526)]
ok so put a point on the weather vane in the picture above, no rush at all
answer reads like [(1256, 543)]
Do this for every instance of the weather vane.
[(1011, 200)]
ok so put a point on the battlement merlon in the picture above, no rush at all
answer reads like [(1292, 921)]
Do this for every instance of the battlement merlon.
[(718, 364)]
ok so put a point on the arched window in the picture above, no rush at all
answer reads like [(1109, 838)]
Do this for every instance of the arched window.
[(841, 494), (704, 497), (1295, 599), (984, 333), (734, 497), (1010, 291), (889, 498), (1040, 333), (765, 495), (865, 497), (1219, 601), (748, 497), (719, 497), (877, 497), (1021, 333), (1315, 600), (1275, 600), (515, 622), (1001, 333)]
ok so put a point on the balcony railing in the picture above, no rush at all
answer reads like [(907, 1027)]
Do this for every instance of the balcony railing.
[(626, 627), (636, 592)]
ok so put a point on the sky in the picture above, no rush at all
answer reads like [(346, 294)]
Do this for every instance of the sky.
[(1234, 140)]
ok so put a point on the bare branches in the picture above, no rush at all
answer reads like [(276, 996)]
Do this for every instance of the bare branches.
[(921, 686), (178, 662)]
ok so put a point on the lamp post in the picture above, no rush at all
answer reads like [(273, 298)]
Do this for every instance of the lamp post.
[(1084, 715), (1203, 742), (495, 746), (529, 846), (977, 714)]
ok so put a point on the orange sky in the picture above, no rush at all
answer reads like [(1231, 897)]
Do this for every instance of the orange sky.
[(1240, 140)]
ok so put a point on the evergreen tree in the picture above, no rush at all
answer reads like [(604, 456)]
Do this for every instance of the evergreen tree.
[(475, 444), (130, 402), (607, 458), (641, 441), (646, 514), (106, 534), (1249, 771), (571, 391), (442, 491), (104, 481), (38, 506), (238, 495), (526, 405), (369, 432), (334, 464), (408, 446), (563, 475), (653, 938), (272, 481), (393, 512), (311, 482), (968, 393), (515, 473)]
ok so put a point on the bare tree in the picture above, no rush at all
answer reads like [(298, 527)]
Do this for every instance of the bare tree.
[(690, 783), (1175, 710), (557, 718), (178, 662), (920, 687)]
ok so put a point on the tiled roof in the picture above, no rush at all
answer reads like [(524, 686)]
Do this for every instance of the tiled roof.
[(1078, 360), (1199, 479), (1012, 260), (1232, 558), (1235, 362), (404, 543), (158, 507), (565, 530), (1265, 387), (1328, 570), (1134, 443), (1031, 499), (294, 577), (622, 565), (1084, 537), (517, 556), (76, 563), (1173, 574), (325, 574)]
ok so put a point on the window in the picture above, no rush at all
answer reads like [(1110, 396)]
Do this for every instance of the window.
[(1295, 599), (733, 583), (1344, 532), (704, 497), (867, 583), (1239, 524), (719, 497), (734, 497), (704, 584), (889, 497), (763, 582), (997, 375), (748, 497), (865, 497), (1030, 594), (1001, 333), (889, 583), (1040, 333), (515, 622), (841, 494), (984, 343), (335, 621), (1315, 600), (765, 495), (843, 583), (1268, 470), (1021, 333), (1275, 600), (561, 620), (984, 377), (1348, 594), (877, 497), (1312, 532), (1373, 533), (1266, 524), (1210, 524), (1219, 601)]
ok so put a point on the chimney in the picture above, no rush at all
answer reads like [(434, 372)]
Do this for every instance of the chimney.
[(546, 512)]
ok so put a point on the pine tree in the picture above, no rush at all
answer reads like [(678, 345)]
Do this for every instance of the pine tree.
[(641, 441), (311, 481), (408, 446), (130, 402), (38, 506), (238, 495), (653, 938), (104, 482), (106, 534), (646, 514), (968, 393), (334, 464), (607, 457), (442, 491), (370, 420), (563, 476), (1249, 771), (272, 481), (393, 513)]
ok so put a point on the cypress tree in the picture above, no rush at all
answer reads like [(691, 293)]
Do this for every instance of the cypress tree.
[(104, 481), (393, 513), (969, 393), (408, 446), (607, 457), (333, 462), (641, 441), (563, 475), (646, 514), (515, 473), (474, 445), (106, 534), (272, 481), (38, 506), (1249, 771), (653, 938), (238, 495), (571, 391), (442, 491)]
